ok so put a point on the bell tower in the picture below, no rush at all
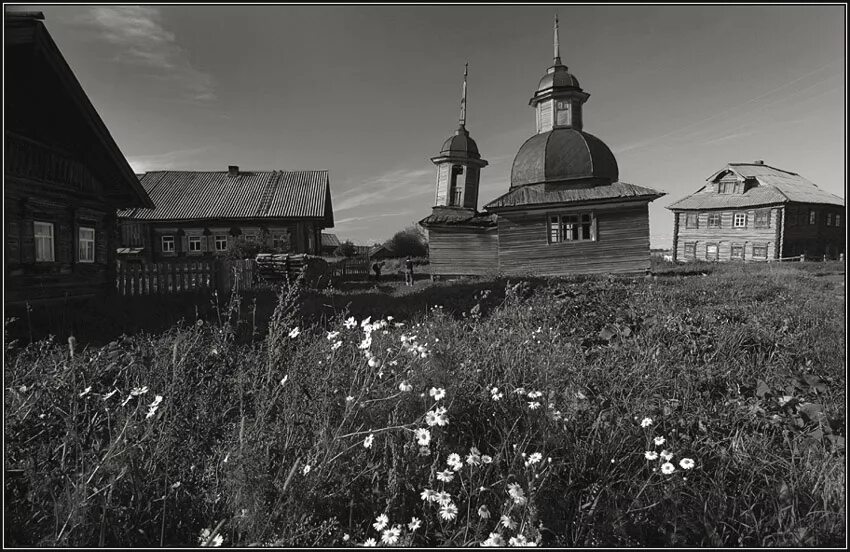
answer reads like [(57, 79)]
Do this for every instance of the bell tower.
[(459, 165)]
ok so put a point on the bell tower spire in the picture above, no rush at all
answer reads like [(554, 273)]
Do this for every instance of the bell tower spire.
[(557, 43), (462, 119)]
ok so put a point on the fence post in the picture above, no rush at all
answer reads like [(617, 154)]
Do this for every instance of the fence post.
[(802, 257)]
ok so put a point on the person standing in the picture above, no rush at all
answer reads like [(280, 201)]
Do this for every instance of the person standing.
[(377, 268), (408, 271)]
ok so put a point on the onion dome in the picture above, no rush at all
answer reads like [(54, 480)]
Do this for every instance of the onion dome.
[(460, 145), (562, 155)]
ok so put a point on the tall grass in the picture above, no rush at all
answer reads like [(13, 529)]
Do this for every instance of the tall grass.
[(306, 436)]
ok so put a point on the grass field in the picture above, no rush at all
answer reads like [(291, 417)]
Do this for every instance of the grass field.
[(700, 407)]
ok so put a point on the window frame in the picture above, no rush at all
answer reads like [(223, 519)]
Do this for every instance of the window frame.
[(167, 238), (732, 248), (759, 246), (765, 214), (716, 247), (688, 216), (88, 248), (37, 237), (735, 216), (693, 247), (576, 224), (719, 217), (829, 219), (813, 217), (195, 239), (838, 220), (217, 240)]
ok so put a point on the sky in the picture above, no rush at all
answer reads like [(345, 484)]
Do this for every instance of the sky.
[(370, 92)]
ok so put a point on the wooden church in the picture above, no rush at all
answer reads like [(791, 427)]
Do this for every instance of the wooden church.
[(566, 211)]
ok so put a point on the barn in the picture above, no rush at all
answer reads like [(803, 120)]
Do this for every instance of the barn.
[(63, 175), (756, 212), (566, 211)]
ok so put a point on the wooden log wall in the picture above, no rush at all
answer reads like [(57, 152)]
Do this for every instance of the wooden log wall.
[(462, 251), (727, 235)]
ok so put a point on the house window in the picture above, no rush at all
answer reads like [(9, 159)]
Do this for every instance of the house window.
[(739, 187), (221, 242), (829, 219), (194, 244), (762, 218), (690, 250), (737, 251), (812, 216), (759, 251), (740, 220), (725, 187), (168, 244), (43, 233), (837, 221), (714, 220), (691, 220), (86, 245), (711, 252), (568, 228)]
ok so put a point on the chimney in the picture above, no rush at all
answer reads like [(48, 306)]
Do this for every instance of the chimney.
[(758, 162), (232, 170)]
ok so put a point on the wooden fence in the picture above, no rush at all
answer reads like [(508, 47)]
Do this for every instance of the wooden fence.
[(166, 278), (353, 268)]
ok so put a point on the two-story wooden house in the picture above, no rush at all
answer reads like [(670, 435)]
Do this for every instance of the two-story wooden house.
[(63, 175), (752, 211), (203, 214)]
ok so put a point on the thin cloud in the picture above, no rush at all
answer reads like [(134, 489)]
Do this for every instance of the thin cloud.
[(372, 217), (162, 161), (413, 183), (139, 38)]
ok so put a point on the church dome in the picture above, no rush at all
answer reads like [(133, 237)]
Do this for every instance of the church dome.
[(563, 154), (557, 77), (460, 145)]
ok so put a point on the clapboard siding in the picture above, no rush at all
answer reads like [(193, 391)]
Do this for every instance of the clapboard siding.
[(463, 251), (622, 244), (727, 234)]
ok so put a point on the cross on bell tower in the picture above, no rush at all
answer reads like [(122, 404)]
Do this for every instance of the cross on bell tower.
[(459, 165)]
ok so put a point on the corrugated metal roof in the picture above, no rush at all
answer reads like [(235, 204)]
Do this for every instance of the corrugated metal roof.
[(329, 240), (193, 195), (538, 194), (774, 186), (478, 219)]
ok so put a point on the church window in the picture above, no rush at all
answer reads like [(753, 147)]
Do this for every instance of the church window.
[(571, 228), (456, 190)]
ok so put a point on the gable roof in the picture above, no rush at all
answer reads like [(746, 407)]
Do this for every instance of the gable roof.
[(197, 195), (547, 194), (25, 34), (330, 240), (773, 186)]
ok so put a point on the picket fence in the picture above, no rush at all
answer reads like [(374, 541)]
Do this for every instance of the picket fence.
[(186, 276)]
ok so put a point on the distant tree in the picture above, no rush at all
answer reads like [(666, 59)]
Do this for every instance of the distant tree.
[(410, 241), (347, 249), (240, 248)]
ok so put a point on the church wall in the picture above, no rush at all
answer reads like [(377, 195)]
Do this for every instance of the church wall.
[(463, 251), (622, 244)]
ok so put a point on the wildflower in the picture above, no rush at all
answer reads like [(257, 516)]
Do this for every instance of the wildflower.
[(365, 322), (487, 459), (176, 485), (646, 422), (495, 394), (650, 455), (437, 417), (445, 476), (374, 362), (366, 343), (520, 390), (516, 493), (415, 523), (367, 442), (535, 394), (484, 512), (667, 468), (370, 542), (448, 512), (349, 398), (507, 522), (390, 536), (437, 393), (534, 405), (350, 322), (666, 455), (85, 391), (520, 540), (423, 436), (424, 451), (332, 335), (686, 463), (139, 391), (380, 522), (336, 345), (153, 406), (306, 469), (405, 387), (494, 540), (22, 389), (443, 498), (346, 537), (533, 459), (474, 457), (454, 461), (295, 332), (283, 381), (658, 441), (428, 495)]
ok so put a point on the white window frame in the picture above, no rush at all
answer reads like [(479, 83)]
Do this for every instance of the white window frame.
[(85, 245), (219, 239), (739, 220), (716, 256), (570, 227), (43, 232), (196, 240), (167, 239)]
